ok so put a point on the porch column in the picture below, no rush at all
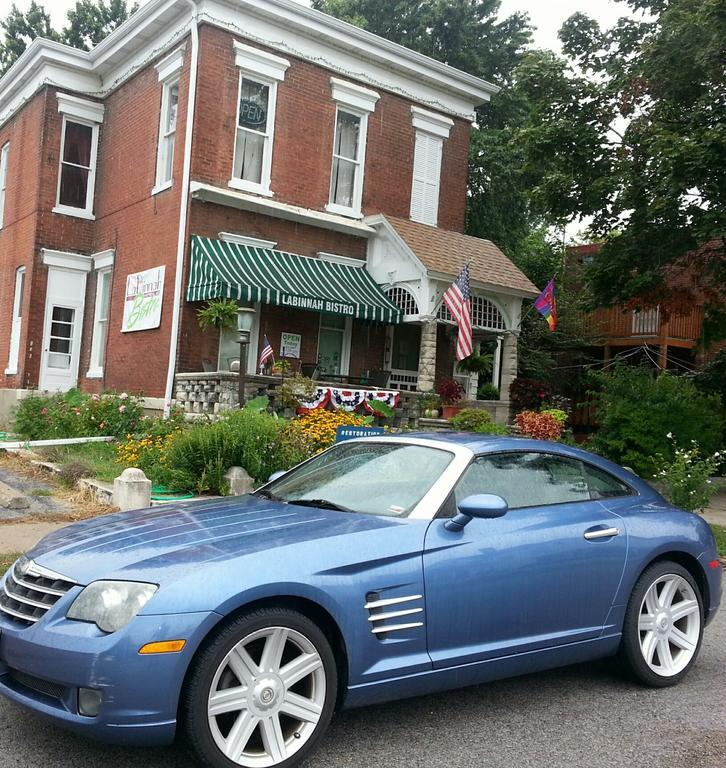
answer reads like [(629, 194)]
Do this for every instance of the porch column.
[(509, 363), (427, 356)]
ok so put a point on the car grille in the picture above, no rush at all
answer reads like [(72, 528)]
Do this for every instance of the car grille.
[(37, 684), (31, 590)]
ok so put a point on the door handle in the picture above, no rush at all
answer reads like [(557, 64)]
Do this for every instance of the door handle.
[(601, 533)]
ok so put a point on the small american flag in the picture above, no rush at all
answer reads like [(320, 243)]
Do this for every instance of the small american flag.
[(457, 300), (266, 354)]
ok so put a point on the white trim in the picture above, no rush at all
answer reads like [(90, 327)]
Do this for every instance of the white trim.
[(345, 342), (98, 355), (4, 154), (67, 210), (83, 109), (349, 261), (170, 66), (160, 187), (254, 343), (354, 211), (164, 139), (254, 242), (259, 62), (246, 202), (352, 95), (104, 259), (16, 326), (430, 122), (250, 186), (66, 260)]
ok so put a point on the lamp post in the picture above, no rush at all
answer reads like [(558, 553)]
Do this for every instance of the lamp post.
[(245, 318)]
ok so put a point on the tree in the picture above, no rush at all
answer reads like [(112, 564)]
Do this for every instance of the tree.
[(89, 22), (466, 34), (93, 20), (630, 129), (20, 29)]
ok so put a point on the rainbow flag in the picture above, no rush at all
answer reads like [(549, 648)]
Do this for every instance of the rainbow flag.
[(546, 304)]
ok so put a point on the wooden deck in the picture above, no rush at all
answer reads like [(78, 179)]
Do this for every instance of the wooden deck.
[(618, 327)]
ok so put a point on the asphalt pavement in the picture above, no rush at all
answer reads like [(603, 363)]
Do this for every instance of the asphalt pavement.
[(576, 717)]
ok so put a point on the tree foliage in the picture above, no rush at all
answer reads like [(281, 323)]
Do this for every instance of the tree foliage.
[(630, 129), (89, 22)]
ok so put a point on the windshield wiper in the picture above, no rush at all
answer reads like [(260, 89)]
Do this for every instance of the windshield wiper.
[(319, 503), (263, 494)]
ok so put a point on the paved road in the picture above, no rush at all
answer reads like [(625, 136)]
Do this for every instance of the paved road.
[(578, 717)]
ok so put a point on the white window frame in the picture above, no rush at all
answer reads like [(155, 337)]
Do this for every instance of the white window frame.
[(103, 263), (169, 69), (358, 101), (4, 152), (347, 336), (433, 129), (83, 112), (267, 69), (17, 322)]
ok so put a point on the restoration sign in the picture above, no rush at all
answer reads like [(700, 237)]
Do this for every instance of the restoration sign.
[(290, 345), (144, 297)]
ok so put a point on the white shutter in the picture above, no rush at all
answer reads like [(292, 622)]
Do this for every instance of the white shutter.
[(426, 178), (16, 326)]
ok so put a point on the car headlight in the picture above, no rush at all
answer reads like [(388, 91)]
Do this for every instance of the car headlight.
[(111, 604)]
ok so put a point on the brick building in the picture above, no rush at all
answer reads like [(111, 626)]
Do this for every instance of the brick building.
[(260, 131)]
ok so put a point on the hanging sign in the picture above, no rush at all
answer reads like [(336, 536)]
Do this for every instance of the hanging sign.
[(290, 345), (144, 297)]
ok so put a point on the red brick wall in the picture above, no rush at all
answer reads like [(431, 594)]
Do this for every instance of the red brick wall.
[(303, 143)]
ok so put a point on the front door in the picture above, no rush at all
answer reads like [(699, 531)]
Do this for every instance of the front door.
[(62, 331), (531, 579)]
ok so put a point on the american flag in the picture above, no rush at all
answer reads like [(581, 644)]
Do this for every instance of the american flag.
[(457, 300), (266, 354)]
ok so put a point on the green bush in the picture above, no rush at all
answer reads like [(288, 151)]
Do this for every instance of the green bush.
[(637, 410), (487, 392), (198, 458), (77, 414), (476, 420)]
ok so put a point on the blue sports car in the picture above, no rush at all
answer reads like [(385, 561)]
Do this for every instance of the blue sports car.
[(379, 569)]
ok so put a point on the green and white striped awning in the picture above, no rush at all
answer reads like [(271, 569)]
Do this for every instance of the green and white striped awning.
[(221, 269)]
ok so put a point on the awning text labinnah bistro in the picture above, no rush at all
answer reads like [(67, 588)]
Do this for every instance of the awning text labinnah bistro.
[(316, 305)]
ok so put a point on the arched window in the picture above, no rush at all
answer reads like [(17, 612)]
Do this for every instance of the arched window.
[(484, 315), (403, 299)]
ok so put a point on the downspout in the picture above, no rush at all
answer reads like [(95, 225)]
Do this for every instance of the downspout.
[(183, 210)]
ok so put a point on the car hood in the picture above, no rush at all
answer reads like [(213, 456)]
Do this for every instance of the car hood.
[(155, 544)]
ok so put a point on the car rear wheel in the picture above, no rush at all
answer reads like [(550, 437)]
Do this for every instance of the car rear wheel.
[(663, 625), (262, 693)]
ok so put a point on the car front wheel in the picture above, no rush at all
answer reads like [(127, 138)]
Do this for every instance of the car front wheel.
[(262, 692), (663, 625)]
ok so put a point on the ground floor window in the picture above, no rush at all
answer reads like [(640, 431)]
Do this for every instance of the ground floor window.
[(333, 344), (17, 322)]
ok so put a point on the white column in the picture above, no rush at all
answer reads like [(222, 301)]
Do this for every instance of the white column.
[(497, 362), (508, 363)]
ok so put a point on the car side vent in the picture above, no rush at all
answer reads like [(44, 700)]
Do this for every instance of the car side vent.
[(389, 614)]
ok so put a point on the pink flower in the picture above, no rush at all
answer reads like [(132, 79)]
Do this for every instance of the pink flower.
[(102, 425), (95, 398), (43, 411), (121, 408), (123, 396)]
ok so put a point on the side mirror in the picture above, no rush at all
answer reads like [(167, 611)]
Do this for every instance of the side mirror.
[(276, 475), (483, 505)]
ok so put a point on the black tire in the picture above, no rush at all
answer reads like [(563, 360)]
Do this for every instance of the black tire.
[(195, 696), (631, 654)]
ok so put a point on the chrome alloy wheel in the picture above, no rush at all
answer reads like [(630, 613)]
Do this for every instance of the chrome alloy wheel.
[(669, 625), (266, 697)]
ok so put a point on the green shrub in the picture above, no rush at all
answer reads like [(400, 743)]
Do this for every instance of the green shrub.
[(686, 477), (77, 414), (637, 410), (487, 392), (198, 458), (557, 414), (476, 420)]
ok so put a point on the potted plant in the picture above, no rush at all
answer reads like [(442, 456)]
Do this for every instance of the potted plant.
[(481, 364), (429, 404), (451, 392), (219, 314), (281, 367)]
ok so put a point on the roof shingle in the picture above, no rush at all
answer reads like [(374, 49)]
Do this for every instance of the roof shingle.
[(447, 252)]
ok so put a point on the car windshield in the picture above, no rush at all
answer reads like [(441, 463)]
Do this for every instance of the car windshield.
[(373, 478)]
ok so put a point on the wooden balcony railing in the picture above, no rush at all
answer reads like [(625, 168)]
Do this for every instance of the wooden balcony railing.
[(617, 325)]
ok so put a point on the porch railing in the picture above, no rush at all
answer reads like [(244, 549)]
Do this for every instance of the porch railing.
[(405, 381)]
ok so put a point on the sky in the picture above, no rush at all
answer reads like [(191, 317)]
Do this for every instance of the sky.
[(546, 15)]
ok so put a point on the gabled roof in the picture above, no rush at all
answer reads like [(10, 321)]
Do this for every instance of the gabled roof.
[(444, 253)]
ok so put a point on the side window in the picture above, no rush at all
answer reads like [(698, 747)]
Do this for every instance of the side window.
[(603, 485), (525, 479)]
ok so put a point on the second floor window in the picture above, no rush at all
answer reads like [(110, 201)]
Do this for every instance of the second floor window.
[(167, 135), (77, 166), (253, 132), (345, 179), (3, 180)]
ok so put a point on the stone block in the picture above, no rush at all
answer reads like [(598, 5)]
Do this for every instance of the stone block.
[(239, 481), (132, 490)]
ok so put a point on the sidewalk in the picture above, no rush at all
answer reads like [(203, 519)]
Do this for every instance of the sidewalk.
[(716, 513)]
